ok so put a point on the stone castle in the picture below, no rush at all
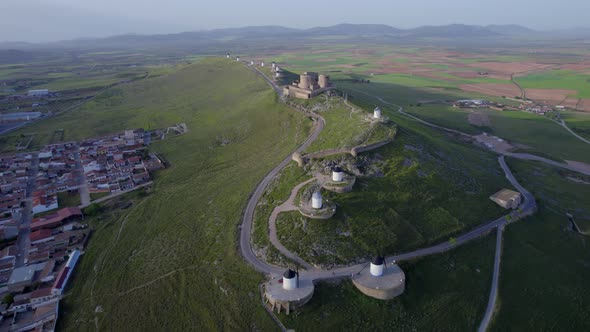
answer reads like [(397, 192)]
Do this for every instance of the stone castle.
[(309, 85)]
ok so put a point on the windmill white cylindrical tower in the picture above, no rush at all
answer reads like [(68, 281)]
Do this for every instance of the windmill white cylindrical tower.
[(251, 62), (237, 58), (337, 174), (289, 280), (316, 200), (377, 265), (377, 113), (262, 64), (273, 65), (227, 55)]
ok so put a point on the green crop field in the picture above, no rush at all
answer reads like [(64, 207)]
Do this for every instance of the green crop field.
[(170, 261), (559, 79), (540, 134), (544, 277), (559, 190), (535, 133), (443, 293)]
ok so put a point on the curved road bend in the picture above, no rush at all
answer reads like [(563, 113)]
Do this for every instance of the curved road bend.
[(527, 207), (272, 226), (564, 125), (248, 217), (246, 227)]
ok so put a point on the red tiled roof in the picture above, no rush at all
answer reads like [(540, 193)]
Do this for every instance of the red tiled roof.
[(61, 278), (40, 234), (56, 219), (41, 292)]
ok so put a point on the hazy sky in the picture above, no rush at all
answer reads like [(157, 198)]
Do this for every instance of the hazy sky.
[(46, 20)]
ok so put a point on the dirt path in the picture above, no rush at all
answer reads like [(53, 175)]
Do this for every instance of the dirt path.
[(288, 205)]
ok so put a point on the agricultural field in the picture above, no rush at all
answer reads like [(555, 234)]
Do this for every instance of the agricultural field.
[(86, 71), (172, 252), (448, 117), (446, 292), (575, 81), (530, 133), (544, 277), (538, 135), (454, 70)]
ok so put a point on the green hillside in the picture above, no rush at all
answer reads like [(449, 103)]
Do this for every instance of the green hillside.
[(170, 261)]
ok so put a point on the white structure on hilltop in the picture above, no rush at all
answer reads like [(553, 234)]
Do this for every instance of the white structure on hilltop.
[(316, 200), (377, 113), (238, 58), (273, 65), (251, 62), (337, 174), (227, 55), (262, 64), (290, 280), (377, 265)]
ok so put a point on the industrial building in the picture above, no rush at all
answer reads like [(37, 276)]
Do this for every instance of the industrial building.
[(308, 86), (507, 199)]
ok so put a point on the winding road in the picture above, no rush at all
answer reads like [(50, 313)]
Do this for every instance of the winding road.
[(528, 207)]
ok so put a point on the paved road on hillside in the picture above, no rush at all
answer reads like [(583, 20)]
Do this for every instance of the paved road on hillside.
[(564, 125), (527, 208), (485, 322), (272, 83), (248, 217)]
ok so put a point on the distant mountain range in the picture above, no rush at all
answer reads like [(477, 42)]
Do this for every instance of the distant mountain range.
[(242, 36)]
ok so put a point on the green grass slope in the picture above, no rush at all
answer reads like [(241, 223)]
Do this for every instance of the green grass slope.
[(443, 293), (545, 265), (170, 261)]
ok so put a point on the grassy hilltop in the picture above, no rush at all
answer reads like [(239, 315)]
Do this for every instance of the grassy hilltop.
[(170, 261)]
